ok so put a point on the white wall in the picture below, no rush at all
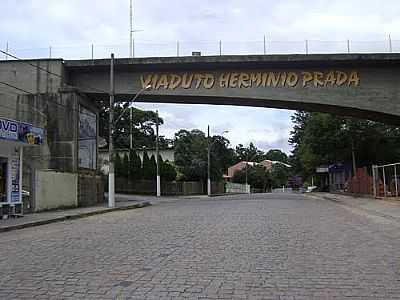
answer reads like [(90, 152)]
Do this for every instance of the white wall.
[(55, 190), (237, 188)]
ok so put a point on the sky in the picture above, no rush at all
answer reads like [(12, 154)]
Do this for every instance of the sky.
[(70, 27)]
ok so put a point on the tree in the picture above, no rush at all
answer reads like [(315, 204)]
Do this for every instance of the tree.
[(143, 126), (279, 175), (147, 171), (251, 153), (222, 157), (152, 168), (125, 166), (118, 165), (319, 138), (135, 166), (167, 170), (276, 155), (257, 177), (191, 155)]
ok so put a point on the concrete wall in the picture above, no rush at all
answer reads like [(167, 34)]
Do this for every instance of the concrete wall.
[(55, 190), (90, 190), (33, 76), (125, 185)]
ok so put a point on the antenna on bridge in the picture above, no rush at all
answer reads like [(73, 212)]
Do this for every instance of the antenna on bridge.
[(131, 32)]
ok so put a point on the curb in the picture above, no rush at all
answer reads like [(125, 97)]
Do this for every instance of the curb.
[(226, 194), (73, 217), (315, 196)]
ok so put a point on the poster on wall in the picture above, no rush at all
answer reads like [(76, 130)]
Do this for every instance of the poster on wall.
[(30, 134), (15, 191), (87, 139)]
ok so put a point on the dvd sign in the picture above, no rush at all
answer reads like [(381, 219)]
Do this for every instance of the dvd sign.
[(8, 130), (11, 130)]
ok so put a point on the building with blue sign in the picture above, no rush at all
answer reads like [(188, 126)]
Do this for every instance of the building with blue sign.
[(14, 136), (48, 139)]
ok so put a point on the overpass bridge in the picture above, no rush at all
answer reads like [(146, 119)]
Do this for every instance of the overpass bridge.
[(360, 85)]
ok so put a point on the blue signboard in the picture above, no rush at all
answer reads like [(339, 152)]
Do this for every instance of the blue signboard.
[(9, 129), (15, 174), (21, 132)]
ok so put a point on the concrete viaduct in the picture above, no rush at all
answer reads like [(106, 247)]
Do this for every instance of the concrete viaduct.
[(360, 85)]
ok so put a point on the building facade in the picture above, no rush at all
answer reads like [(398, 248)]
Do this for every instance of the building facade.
[(34, 93)]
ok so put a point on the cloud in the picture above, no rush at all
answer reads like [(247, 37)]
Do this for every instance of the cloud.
[(71, 26)]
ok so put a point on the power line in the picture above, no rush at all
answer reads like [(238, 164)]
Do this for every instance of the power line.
[(48, 99), (15, 87), (12, 108)]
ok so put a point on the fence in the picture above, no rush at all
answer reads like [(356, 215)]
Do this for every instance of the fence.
[(282, 190), (149, 187), (361, 183), (206, 48), (237, 188), (386, 180)]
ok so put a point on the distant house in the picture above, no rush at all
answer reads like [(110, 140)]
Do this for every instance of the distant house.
[(333, 177), (339, 174), (267, 164), (238, 167)]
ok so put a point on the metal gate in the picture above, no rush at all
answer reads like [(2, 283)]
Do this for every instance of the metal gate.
[(386, 180)]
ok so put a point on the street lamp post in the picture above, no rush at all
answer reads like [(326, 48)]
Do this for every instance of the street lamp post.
[(157, 160), (112, 124), (111, 175), (208, 164), (209, 159)]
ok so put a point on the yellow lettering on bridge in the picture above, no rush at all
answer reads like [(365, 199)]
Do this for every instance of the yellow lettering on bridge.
[(245, 80)]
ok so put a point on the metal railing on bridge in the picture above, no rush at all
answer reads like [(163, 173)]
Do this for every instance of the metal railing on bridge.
[(145, 48)]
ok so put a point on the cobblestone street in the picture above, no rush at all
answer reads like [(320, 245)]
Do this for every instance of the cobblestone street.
[(273, 246)]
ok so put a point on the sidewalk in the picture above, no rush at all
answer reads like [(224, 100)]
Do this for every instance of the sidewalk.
[(122, 202), (383, 208), (36, 219)]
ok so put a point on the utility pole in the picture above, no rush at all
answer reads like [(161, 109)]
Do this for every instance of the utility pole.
[(209, 161), (157, 161), (130, 129), (111, 175)]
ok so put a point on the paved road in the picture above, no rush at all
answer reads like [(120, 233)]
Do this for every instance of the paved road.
[(239, 247)]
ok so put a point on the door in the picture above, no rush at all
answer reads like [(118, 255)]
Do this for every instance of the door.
[(3, 179)]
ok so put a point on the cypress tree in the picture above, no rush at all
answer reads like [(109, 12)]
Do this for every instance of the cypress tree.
[(135, 166), (118, 165), (146, 168), (153, 168), (125, 166)]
